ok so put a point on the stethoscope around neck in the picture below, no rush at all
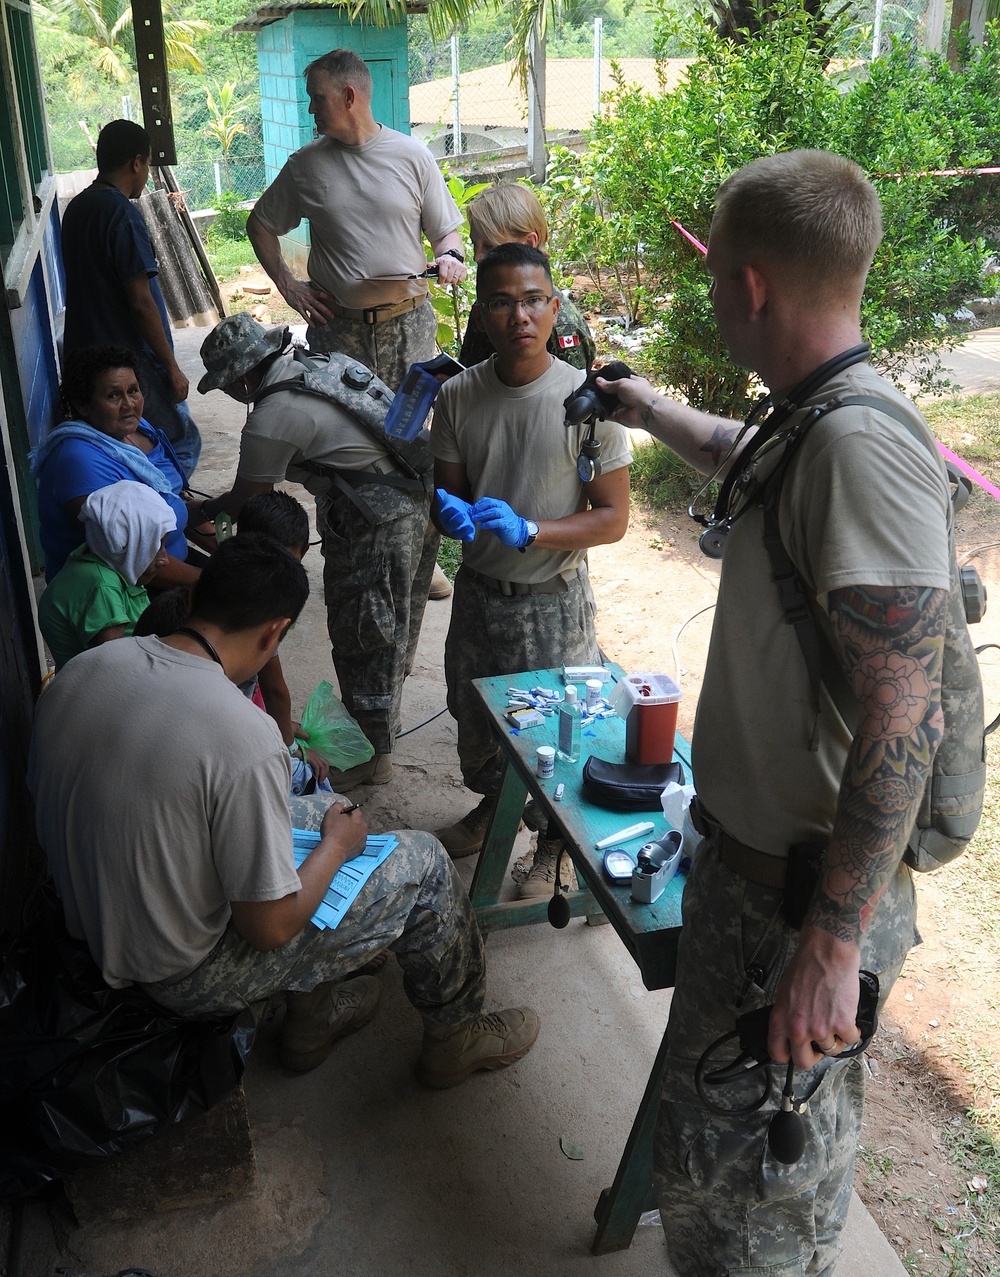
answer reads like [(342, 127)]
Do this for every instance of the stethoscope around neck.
[(736, 494)]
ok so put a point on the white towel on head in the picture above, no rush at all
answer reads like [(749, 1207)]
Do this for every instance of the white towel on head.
[(124, 525)]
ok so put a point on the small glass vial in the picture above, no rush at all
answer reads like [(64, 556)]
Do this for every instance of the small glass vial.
[(570, 727)]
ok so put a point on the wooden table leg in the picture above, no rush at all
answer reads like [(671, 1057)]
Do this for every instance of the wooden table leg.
[(619, 1207), (499, 840)]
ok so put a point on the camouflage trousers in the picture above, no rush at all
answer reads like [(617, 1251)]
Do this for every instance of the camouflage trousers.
[(492, 633), (414, 904), (728, 1208), (387, 349), (376, 576)]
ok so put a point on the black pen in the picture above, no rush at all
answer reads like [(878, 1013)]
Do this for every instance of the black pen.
[(353, 807)]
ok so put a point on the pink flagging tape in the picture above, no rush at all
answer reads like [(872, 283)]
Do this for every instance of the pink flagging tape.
[(688, 236), (945, 172), (969, 472)]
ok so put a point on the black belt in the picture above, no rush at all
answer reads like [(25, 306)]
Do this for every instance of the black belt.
[(554, 585), (756, 866), (391, 478)]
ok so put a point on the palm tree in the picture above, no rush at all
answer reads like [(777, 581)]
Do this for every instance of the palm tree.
[(102, 29), (529, 19), (224, 127)]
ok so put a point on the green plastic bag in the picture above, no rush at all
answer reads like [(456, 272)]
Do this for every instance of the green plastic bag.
[(333, 733)]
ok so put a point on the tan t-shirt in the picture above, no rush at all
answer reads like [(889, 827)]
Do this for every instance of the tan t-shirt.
[(514, 445), (161, 794), (862, 503), (366, 207), (290, 427)]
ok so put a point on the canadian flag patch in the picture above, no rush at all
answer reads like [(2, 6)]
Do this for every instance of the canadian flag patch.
[(569, 341)]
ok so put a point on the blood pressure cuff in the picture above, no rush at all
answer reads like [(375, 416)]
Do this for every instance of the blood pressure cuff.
[(628, 786)]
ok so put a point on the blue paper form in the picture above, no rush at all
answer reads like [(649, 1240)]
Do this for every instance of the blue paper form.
[(349, 878)]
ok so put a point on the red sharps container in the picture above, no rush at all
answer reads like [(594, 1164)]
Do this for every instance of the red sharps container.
[(648, 703)]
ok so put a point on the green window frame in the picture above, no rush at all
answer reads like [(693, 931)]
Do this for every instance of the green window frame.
[(27, 185)]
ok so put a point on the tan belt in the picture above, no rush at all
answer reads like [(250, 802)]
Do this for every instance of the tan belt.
[(756, 866), (554, 585), (375, 314)]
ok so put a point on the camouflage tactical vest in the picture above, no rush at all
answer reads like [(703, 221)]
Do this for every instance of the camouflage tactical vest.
[(357, 390)]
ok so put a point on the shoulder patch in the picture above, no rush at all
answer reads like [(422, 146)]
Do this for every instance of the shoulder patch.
[(569, 341)]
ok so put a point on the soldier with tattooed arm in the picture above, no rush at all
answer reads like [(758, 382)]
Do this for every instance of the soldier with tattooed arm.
[(787, 776)]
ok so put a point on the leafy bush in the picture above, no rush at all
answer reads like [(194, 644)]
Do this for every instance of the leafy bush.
[(230, 221), (657, 158), (452, 303)]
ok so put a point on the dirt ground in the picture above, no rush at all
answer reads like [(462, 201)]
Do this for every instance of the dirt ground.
[(655, 593)]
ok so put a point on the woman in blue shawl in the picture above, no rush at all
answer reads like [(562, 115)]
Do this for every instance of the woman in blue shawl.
[(103, 440)]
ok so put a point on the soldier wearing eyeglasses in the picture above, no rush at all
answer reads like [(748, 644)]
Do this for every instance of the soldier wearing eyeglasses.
[(509, 487)]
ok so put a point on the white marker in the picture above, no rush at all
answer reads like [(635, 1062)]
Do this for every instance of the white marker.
[(633, 831)]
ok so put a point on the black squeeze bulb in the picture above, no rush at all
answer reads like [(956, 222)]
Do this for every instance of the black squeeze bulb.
[(559, 911), (786, 1136)]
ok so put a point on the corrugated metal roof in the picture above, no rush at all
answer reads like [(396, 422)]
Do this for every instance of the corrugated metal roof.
[(487, 96), (275, 12)]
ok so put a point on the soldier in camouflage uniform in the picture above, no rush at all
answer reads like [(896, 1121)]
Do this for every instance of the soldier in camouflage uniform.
[(522, 596), (372, 502), (509, 213), (182, 877), (806, 798)]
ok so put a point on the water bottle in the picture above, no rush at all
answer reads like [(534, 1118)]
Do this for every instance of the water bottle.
[(570, 727)]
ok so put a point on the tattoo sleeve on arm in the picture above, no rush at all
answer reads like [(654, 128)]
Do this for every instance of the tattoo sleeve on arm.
[(720, 443), (891, 642)]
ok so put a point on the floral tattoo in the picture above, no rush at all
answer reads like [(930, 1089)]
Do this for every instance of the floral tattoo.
[(891, 641)]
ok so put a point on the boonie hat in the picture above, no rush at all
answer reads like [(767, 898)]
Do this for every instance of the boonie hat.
[(234, 346)]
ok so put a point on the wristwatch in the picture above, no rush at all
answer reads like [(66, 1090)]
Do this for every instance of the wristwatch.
[(532, 532), (453, 252)]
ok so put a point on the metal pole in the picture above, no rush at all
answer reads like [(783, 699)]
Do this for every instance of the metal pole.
[(877, 29), (218, 179), (536, 107), (456, 125), (598, 48), (934, 26)]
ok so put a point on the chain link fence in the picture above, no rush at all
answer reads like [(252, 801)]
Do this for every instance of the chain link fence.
[(876, 23), (467, 103), (204, 181)]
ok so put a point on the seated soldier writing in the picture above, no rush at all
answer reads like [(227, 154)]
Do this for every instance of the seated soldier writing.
[(186, 885)]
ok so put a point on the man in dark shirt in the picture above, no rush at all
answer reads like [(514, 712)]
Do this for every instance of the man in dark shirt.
[(112, 297)]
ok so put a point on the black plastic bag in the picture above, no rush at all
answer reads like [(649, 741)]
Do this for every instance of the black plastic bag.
[(87, 1071)]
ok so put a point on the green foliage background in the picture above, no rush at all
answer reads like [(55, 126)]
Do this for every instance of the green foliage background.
[(657, 158), (652, 158), (76, 89)]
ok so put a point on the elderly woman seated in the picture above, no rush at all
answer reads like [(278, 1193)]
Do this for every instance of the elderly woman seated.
[(99, 593), (103, 439)]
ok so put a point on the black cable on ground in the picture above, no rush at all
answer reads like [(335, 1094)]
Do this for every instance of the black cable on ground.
[(409, 730)]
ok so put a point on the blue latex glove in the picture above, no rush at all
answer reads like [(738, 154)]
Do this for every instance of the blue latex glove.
[(453, 514), (497, 517)]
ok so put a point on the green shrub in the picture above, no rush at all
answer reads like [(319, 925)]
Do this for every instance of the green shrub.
[(230, 221), (657, 158)]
